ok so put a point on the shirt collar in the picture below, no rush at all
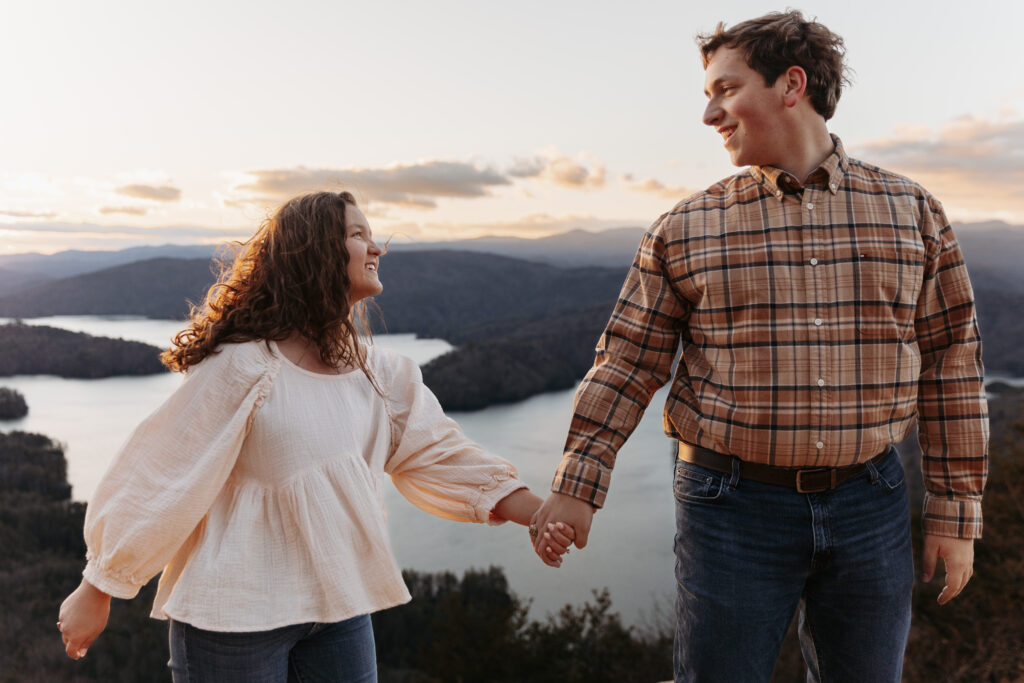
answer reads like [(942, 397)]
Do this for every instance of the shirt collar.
[(830, 174)]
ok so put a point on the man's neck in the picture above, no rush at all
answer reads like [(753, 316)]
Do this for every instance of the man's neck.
[(807, 150)]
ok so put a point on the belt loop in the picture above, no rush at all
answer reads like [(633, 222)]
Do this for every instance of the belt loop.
[(734, 480), (872, 472)]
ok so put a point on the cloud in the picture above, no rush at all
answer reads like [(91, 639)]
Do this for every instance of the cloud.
[(13, 213), (974, 166), (653, 186), (163, 193), (129, 210), (561, 170), (171, 233), (413, 185)]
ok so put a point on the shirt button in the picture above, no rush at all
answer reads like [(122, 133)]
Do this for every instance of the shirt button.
[(814, 261), (821, 382), (819, 445), (779, 194), (832, 186), (810, 206), (818, 322)]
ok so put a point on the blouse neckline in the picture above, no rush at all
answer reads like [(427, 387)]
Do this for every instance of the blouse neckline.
[(355, 373)]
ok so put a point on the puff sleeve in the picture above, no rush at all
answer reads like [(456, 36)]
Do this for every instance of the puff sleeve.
[(431, 461), (166, 476)]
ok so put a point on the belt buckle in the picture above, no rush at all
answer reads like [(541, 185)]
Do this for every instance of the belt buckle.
[(800, 488)]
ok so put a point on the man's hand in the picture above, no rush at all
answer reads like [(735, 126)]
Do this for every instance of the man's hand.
[(562, 508), (958, 557)]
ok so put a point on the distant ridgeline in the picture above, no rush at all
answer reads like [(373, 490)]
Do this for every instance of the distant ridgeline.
[(40, 350), (521, 327)]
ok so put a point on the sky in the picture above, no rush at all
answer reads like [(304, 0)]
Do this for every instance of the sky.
[(126, 123)]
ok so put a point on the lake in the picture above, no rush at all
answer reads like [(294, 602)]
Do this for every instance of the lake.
[(630, 549)]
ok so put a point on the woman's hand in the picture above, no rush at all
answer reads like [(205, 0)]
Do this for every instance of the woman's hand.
[(520, 507), (83, 616)]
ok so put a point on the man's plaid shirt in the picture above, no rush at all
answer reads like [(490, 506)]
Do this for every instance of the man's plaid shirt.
[(816, 323)]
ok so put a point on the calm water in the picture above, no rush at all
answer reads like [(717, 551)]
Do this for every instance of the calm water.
[(630, 549)]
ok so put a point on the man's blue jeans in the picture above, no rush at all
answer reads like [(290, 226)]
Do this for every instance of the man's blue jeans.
[(341, 652), (748, 555)]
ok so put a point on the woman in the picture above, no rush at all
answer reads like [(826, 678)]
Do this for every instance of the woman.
[(256, 486)]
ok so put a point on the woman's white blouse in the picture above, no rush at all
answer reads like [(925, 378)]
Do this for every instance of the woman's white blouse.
[(256, 488)]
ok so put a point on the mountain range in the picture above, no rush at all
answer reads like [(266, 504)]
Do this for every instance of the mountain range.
[(520, 326), (994, 250)]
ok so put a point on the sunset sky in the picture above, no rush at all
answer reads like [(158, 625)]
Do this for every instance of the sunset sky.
[(127, 123)]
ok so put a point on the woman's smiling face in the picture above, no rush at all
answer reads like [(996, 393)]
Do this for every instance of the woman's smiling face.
[(363, 256)]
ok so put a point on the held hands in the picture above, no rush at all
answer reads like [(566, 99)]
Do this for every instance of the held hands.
[(520, 507), (83, 616), (958, 558), (559, 521)]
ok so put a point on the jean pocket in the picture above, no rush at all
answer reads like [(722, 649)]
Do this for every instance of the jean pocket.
[(889, 474), (695, 483)]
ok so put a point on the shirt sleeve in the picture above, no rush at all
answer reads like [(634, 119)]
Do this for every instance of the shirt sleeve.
[(952, 408), (432, 462), (168, 473), (633, 360)]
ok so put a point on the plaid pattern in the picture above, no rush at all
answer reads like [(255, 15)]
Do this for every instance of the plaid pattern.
[(815, 323)]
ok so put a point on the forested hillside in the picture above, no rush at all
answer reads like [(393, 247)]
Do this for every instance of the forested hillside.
[(520, 327), (40, 350)]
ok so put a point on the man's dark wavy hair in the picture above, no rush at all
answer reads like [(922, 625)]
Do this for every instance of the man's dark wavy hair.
[(776, 41)]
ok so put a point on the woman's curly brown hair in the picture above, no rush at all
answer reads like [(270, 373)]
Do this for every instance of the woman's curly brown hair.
[(291, 276)]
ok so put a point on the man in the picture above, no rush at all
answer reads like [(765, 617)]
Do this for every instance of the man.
[(821, 305)]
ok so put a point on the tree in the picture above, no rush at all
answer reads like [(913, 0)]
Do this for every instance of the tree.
[(12, 404)]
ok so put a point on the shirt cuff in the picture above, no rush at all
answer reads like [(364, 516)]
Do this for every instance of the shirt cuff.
[(119, 585), (582, 479), (492, 493), (957, 518)]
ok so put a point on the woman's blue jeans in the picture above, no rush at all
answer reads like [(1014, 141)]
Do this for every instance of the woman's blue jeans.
[(748, 555), (341, 652)]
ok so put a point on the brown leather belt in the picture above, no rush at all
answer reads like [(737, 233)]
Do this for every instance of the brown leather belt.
[(803, 479)]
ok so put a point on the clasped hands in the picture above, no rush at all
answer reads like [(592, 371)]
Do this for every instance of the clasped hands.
[(560, 521)]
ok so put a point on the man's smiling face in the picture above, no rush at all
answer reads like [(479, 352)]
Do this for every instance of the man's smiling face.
[(743, 110)]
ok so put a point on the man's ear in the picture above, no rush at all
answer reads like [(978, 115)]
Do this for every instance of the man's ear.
[(794, 85)]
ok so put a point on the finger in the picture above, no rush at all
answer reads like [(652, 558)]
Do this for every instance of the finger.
[(581, 537), (558, 533), (539, 546), (929, 556), (554, 557), (553, 543), (550, 559), (954, 585)]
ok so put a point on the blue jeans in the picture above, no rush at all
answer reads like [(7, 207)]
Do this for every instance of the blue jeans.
[(749, 555), (342, 652)]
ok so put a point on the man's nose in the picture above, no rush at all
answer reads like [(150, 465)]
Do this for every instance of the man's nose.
[(712, 114)]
